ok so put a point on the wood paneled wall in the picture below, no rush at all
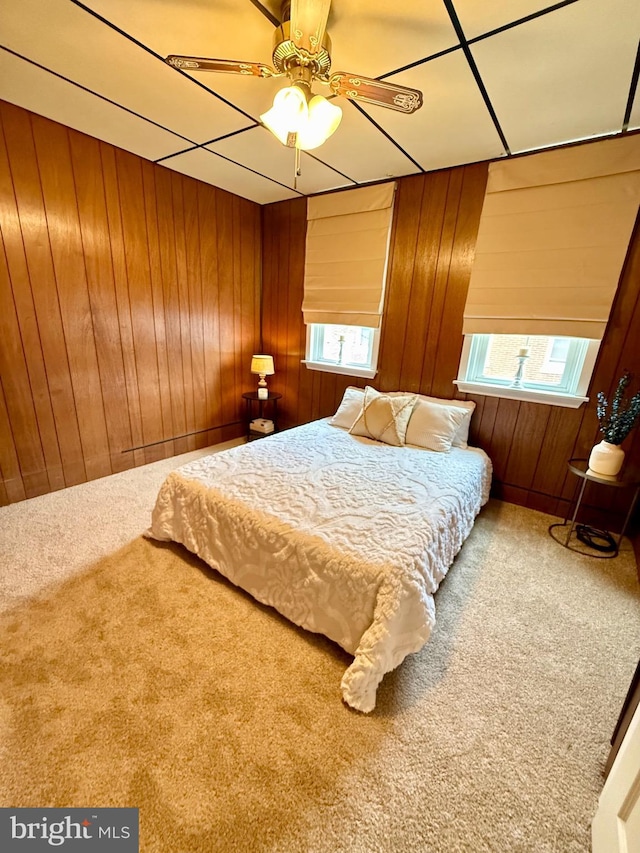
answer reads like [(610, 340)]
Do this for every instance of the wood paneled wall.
[(129, 308), (435, 226)]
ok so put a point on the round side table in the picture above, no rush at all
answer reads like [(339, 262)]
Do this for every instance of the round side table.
[(250, 399), (564, 532)]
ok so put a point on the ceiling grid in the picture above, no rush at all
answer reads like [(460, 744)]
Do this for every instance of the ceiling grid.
[(498, 78)]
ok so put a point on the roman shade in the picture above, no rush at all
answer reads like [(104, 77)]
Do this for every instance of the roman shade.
[(346, 256), (553, 236)]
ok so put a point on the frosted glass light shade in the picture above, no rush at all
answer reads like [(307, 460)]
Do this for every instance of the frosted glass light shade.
[(288, 113), (323, 120)]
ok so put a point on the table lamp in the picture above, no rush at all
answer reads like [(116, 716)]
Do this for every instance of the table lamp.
[(263, 366)]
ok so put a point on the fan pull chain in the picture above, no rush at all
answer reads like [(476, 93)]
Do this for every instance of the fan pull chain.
[(296, 173)]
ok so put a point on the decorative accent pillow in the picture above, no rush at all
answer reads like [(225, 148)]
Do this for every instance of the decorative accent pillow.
[(434, 426), (349, 408), (384, 418)]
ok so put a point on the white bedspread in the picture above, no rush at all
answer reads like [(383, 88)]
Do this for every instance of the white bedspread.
[(342, 535)]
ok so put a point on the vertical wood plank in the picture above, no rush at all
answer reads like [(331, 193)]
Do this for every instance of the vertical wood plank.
[(184, 305), (404, 241), (196, 325), (211, 309), (280, 320), (96, 249), (157, 298), (224, 235), (35, 234), (249, 293), (239, 369), (4, 497), (11, 474), (474, 179), (134, 232), (17, 393), (556, 448), (476, 418), (424, 294), (296, 330), (528, 436), (123, 307), (60, 202), (171, 301), (28, 332), (502, 436)]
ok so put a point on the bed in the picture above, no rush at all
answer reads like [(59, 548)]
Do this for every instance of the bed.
[(344, 535)]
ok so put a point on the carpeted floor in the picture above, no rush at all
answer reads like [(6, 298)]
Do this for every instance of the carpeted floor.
[(133, 675)]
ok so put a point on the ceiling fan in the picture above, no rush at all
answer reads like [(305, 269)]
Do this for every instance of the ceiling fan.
[(302, 52)]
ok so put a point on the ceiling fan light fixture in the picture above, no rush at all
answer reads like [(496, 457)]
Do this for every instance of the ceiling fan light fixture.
[(294, 122), (302, 52), (323, 120)]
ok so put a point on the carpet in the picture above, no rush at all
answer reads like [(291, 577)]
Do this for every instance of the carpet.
[(134, 675)]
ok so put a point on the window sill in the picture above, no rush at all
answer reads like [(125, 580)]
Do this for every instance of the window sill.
[(343, 369), (529, 395)]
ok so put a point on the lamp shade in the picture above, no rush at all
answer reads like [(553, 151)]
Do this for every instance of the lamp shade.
[(262, 364)]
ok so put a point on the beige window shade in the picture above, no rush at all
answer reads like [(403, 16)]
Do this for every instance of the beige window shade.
[(553, 236), (346, 256)]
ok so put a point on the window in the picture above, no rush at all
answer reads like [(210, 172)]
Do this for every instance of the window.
[(552, 241), (345, 271), (352, 350), (555, 358), (541, 368)]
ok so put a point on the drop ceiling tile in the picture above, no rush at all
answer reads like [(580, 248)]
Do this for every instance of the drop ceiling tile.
[(478, 18), (453, 126), (563, 76), (220, 30), (87, 51), (358, 149), (212, 169), (261, 151), (377, 37), (30, 87)]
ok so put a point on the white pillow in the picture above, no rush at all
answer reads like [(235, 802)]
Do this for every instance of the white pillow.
[(434, 426), (384, 418), (349, 408), (461, 437)]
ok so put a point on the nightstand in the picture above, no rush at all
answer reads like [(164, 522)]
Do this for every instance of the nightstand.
[(266, 408), (601, 541)]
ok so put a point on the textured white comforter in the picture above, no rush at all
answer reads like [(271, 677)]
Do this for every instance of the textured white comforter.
[(342, 535)]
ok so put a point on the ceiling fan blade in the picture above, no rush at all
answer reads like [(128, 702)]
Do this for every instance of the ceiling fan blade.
[(379, 92), (225, 66), (308, 21)]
